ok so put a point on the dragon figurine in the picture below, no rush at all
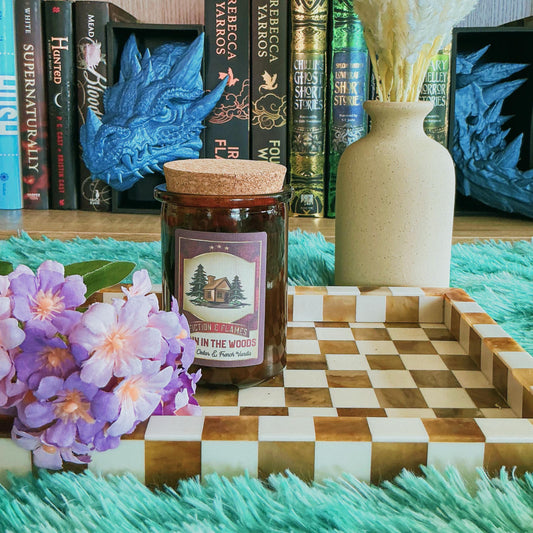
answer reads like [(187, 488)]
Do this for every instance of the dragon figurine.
[(152, 115)]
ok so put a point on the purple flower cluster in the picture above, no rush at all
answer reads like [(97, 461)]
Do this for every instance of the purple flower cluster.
[(79, 381)]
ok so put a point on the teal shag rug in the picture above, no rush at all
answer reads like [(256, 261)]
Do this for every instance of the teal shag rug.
[(498, 275)]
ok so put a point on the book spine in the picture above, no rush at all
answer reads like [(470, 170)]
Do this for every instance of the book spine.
[(307, 115), (32, 98), (62, 123), (348, 89), (227, 45), (269, 82), (10, 182), (436, 88)]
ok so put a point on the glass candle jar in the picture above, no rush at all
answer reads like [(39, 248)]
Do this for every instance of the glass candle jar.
[(225, 261)]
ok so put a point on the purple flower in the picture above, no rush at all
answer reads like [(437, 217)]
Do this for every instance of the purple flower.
[(12, 390), (117, 339), (5, 302), (178, 396), (47, 299), (11, 336)]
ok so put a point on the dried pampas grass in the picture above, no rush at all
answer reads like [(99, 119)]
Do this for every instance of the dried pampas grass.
[(402, 36)]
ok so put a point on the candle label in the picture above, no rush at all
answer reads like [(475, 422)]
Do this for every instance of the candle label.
[(220, 281)]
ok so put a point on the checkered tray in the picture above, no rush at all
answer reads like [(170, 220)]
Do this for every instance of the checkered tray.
[(377, 380)]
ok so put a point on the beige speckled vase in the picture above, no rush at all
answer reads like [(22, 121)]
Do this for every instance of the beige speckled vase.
[(395, 203)]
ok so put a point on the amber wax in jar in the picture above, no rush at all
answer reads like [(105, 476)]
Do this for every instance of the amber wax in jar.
[(224, 247)]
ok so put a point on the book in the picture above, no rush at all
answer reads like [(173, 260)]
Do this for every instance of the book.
[(268, 79), (436, 89), (33, 120), (90, 19), (307, 98), (348, 89), (10, 181), (227, 54), (62, 120)]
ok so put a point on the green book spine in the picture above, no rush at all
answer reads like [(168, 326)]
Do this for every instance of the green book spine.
[(436, 89), (307, 122), (348, 89)]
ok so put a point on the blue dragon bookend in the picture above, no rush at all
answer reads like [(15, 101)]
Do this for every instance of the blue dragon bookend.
[(152, 115)]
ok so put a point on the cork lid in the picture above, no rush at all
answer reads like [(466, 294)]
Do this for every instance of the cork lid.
[(224, 177)]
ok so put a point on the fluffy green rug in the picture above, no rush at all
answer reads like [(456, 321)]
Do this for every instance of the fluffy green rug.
[(498, 275), (66, 503)]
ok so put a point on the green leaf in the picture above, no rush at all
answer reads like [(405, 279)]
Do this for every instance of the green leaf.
[(5, 268), (84, 267), (107, 275)]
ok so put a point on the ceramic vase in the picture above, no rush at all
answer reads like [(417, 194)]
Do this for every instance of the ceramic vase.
[(395, 203)]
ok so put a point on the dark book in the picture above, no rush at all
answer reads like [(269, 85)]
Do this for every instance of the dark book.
[(62, 120), (33, 118), (227, 54), (90, 19), (269, 84), (307, 98), (347, 90)]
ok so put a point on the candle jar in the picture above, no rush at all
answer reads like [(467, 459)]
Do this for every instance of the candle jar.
[(225, 261)]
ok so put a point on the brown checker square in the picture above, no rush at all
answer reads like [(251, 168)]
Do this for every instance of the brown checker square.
[(337, 308), (527, 403), (276, 381), (510, 455), (503, 344), (361, 412), (277, 457), (348, 378), (402, 308), (459, 362), (474, 347), (300, 289), (342, 429), (333, 347), (301, 334), (487, 398), (435, 379), (458, 295), (453, 430), (446, 412), (306, 362), (478, 318), (307, 397), (438, 334), (370, 334), (217, 397), (499, 375), (455, 325), (332, 324), (290, 307), (400, 398), (415, 347), (375, 291), (230, 428), (435, 291), (264, 411), (385, 362), (405, 325), (390, 458), (6, 423), (138, 433), (168, 462)]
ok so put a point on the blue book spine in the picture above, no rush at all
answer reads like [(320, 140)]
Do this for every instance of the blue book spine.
[(10, 176)]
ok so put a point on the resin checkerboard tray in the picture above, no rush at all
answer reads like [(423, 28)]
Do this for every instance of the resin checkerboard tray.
[(376, 380)]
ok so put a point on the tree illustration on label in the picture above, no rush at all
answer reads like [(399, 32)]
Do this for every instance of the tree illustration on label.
[(199, 281), (236, 294)]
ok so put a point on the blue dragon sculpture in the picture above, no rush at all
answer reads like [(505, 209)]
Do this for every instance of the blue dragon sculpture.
[(152, 115)]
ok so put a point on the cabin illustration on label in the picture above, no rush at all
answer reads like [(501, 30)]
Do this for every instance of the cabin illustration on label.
[(217, 290)]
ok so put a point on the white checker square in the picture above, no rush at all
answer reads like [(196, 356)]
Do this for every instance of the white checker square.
[(431, 309), (291, 289), (397, 430), (347, 362), (515, 394), (494, 412), (407, 291), (352, 397), (413, 361), (468, 307), (448, 347), (516, 359), (407, 334), (334, 334), (391, 379), (472, 379), (221, 410), (108, 297), (394, 412), (465, 456), (14, 459), (506, 429), (447, 398), (312, 411), (298, 346), (174, 428), (490, 330), (127, 458), (486, 361), (333, 459), (305, 378), (376, 347), (230, 458), (308, 307), (339, 290), (286, 429), (464, 334), (262, 397), (300, 324), (371, 308)]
